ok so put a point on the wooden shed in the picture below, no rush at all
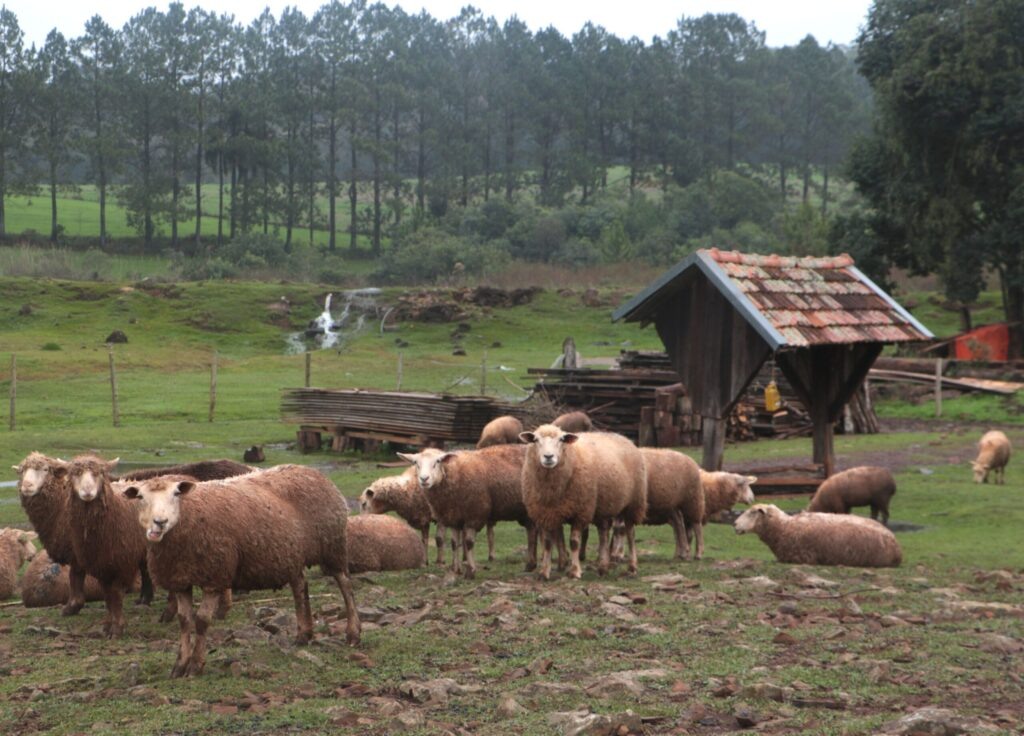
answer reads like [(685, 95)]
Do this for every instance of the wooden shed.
[(721, 314)]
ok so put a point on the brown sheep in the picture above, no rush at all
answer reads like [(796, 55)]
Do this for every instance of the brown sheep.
[(863, 486), (993, 456), (579, 479), (469, 490), (104, 536), (46, 498), (402, 494), (724, 490), (675, 496), (15, 548), (574, 421), (254, 531), (378, 543), (821, 539), (500, 431), (46, 583), (202, 470)]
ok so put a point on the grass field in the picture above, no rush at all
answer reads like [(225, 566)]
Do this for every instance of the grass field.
[(736, 638)]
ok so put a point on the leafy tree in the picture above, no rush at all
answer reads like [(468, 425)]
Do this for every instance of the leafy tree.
[(15, 97)]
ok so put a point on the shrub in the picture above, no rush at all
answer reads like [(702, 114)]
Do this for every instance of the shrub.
[(254, 250), (50, 346), (208, 269), (430, 255)]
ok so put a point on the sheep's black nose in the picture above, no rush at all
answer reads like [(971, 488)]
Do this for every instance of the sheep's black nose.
[(160, 522), (549, 457)]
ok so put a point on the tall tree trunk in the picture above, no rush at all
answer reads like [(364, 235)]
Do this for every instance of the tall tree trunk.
[(396, 166), (377, 172), (353, 196), (824, 192), (220, 199), (175, 194), (199, 165), (421, 162), (234, 201), (332, 183), (510, 153), (53, 201)]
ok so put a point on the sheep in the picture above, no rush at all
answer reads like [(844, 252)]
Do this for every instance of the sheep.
[(580, 479), (675, 496), (471, 489), (104, 537), (574, 421), (724, 490), (378, 543), (993, 456), (47, 583), (821, 539), (254, 531), (401, 494), (202, 470), (46, 498), (15, 548), (863, 486), (501, 431)]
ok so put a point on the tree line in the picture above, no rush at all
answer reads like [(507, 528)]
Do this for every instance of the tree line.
[(399, 118)]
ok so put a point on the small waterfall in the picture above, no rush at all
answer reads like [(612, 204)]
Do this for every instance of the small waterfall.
[(327, 332)]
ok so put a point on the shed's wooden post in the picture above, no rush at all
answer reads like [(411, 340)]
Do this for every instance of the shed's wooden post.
[(714, 443), (824, 448)]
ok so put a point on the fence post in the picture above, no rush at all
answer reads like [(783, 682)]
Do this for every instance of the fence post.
[(14, 388), (398, 387), (113, 386), (309, 362), (483, 374), (213, 384), (938, 387)]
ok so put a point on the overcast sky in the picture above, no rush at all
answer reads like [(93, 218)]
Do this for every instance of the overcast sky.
[(784, 21)]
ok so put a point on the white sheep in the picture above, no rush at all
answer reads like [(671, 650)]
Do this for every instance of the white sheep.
[(993, 456), (402, 494), (811, 538)]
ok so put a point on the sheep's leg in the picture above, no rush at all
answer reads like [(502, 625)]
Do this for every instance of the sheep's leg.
[(545, 558), (224, 604), (678, 524), (303, 613), (575, 543), (76, 598), (146, 589), (170, 610), (531, 547), (184, 607), (468, 542), (490, 542), (698, 533), (563, 551), (456, 551), (425, 533), (113, 624), (583, 543), (616, 553), (352, 625), (631, 541), (603, 548), (204, 615), (439, 541)]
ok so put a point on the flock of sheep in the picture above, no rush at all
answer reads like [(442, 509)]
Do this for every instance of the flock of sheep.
[(220, 525)]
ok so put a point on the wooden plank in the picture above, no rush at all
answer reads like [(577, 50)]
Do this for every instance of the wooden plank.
[(985, 385)]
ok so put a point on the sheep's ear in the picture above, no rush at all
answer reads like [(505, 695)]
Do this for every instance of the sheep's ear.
[(130, 492), (113, 464), (184, 487), (527, 437), (17, 468), (568, 438), (446, 458), (59, 471), (368, 493), (409, 458), (751, 479)]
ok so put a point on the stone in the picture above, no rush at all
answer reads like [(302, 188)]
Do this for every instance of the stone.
[(937, 722), (117, 336), (585, 723), (509, 707)]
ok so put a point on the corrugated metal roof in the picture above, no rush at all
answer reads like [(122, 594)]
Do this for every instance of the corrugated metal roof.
[(791, 301)]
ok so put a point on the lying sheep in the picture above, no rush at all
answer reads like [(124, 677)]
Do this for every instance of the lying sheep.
[(46, 498), (15, 548), (254, 531), (47, 583), (500, 431), (675, 496), (821, 539), (472, 489), (574, 421), (202, 470), (104, 537), (402, 494), (579, 479), (377, 543), (993, 456), (863, 486)]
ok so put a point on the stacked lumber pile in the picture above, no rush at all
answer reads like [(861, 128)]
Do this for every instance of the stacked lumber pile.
[(671, 421)]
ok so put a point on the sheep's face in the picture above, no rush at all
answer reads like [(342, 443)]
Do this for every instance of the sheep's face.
[(87, 476), (26, 549), (747, 493), (369, 503), (429, 466), (159, 503), (549, 443), (35, 470), (980, 472), (751, 519)]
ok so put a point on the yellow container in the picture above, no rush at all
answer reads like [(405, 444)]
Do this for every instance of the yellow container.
[(772, 400)]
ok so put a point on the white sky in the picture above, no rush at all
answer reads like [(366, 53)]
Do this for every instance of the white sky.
[(784, 21)]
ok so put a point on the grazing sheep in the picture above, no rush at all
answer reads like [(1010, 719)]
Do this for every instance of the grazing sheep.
[(104, 537), (675, 496), (574, 421), (254, 531), (15, 548), (401, 494), (500, 431), (821, 539), (378, 543), (472, 489), (47, 583), (202, 470), (46, 498), (579, 479), (993, 456), (863, 486)]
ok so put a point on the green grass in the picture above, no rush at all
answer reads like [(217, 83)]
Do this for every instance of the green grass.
[(977, 408)]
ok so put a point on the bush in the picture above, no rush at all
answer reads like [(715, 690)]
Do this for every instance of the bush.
[(429, 255), (254, 250), (50, 346), (209, 269)]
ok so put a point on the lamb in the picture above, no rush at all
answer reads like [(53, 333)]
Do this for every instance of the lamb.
[(378, 543), (47, 583), (675, 496), (579, 479), (401, 494), (864, 486), (574, 421), (46, 498), (472, 489), (104, 538), (993, 456), (202, 470), (821, 539), (15, 548), (501, 431), (254, 531)]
